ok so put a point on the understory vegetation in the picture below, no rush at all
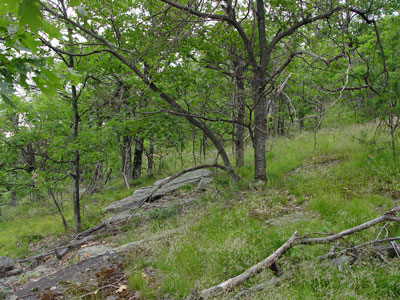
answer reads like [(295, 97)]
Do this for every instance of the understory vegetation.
[(292, 105), (348, 178)]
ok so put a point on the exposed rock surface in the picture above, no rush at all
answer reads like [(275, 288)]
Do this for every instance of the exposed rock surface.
[(194, 177), (86, 275), (96, 265), (6, 265), (92, 251)]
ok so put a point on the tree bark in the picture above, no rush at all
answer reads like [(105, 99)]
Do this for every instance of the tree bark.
[(13, 200), (76, 172), (239, 103), (259, 131), (59, 210), (137, 158), (150, 157), (126, 157), (274, 117), (76, 163), (260, 105)]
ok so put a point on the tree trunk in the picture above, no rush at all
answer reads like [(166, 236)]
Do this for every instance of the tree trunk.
[(59, 210), (259, 130), (126, 157), (137, 158), (239, 139), (275, 122), (76, 163), (239, 102), (203, 145), (150, 157), (29, 157), (13, 200)]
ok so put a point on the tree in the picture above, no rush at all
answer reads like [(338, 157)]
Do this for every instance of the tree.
[(263, 35)]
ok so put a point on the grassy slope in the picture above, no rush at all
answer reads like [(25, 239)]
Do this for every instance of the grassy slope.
[(340, 184)]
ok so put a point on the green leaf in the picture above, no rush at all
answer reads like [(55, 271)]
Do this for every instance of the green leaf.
[(6, 91), (30, 14), (51, 30), (81, 11), (9, 6), (75, 2), (7, 100)]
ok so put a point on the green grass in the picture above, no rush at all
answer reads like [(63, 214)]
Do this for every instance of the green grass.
[(329, 188), (345, 177), (30, 222)]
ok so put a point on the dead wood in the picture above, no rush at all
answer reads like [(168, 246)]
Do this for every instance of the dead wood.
[(383, 247), (60, 251), (235, 281), (389, 216), (275, 281)]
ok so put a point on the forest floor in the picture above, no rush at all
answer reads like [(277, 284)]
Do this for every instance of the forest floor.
[(347, 177)]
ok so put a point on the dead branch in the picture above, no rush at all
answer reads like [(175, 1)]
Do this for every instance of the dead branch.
[(275, 281), (359, 247), (387, 216), (235, 281)]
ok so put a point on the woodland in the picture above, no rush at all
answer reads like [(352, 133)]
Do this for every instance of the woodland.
[(291, 106)]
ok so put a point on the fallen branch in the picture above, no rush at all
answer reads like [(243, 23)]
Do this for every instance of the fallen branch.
[(359, 247), (387, 216), (235, 281), (275, 281), (61, 250), (292, 242)]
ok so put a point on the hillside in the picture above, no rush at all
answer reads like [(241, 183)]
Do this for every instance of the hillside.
[(349, 178)]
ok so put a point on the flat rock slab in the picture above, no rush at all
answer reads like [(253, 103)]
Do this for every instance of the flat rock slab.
[(80, 278), (92, 251), (194, 177), (130, 213)]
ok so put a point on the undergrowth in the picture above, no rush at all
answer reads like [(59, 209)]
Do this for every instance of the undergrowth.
[(343, 178), (334, 186)]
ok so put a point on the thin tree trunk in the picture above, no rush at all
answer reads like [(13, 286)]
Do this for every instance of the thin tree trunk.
[(126, 158), (259, 132), (13, 200), (239, 139), (194, 146), (137, 158), (275, 123), (59, 210), (76, 163), (76, 172), (150, 157), (239, 132)]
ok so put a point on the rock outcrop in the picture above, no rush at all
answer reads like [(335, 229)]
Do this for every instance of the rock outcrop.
[(161, 188)]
